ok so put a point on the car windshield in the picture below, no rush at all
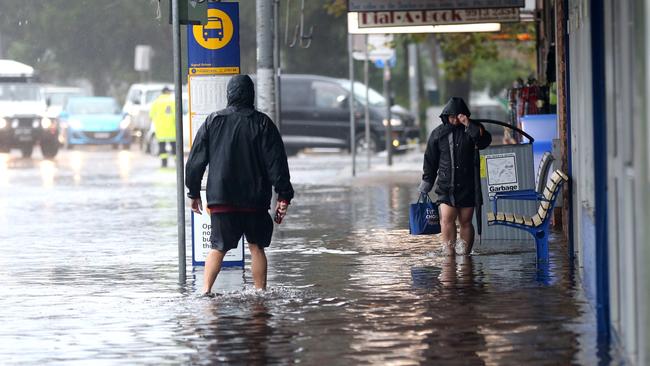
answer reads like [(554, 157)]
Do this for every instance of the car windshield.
[(58, 99), (19, 92), (374, 98), (93, 106)]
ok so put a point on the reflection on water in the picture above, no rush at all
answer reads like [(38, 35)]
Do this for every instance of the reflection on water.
[(48, 171), (124, 164), (89, 275)]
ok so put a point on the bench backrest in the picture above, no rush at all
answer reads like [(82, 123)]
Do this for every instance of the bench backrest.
[(551, 191), (543, 170)]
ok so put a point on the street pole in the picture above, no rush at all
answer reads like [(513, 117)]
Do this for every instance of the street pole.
[(367, 106), (276, 62), (389, 128), (414, 95), (265, 73), (180, 201), (351, 104)]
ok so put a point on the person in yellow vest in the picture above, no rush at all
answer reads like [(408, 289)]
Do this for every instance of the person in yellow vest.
[(163, 117)]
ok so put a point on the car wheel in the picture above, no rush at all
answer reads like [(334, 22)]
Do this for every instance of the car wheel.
[(126, 147), (362, 145), (49, 149), (27, 150)]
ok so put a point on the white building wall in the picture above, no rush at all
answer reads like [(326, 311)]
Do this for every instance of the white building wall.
[(581, 110)]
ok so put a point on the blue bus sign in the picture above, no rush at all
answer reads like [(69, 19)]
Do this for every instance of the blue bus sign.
[(213, 47)]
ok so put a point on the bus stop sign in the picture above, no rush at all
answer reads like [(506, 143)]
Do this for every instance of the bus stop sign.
[(213, 47)]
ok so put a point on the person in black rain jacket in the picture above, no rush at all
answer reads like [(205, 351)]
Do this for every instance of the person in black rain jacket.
[(245, 155), (450, 157)]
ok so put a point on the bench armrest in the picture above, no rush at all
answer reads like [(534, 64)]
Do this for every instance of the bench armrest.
[(521, 195), (517, 195)]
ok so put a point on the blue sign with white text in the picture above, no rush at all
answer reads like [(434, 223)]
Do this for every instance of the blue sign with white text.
[(213, 47)]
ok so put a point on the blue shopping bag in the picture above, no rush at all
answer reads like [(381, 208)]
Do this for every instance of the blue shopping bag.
[(423, 216)]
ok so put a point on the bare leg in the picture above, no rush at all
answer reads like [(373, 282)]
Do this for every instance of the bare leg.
[(212, 268), (448, 216), (258, 265), (466, 227)]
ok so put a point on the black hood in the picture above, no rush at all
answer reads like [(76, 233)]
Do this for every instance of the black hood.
[(454, 106), (241, 92)]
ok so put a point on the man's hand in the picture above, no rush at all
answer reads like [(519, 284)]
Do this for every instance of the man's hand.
[(197, 206), (280, 211), (463, 120)]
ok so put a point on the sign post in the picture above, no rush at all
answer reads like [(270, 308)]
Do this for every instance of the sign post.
[(213, 57)]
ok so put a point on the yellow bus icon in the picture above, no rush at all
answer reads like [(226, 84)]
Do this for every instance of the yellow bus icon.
[(214, 27), (216, 32)]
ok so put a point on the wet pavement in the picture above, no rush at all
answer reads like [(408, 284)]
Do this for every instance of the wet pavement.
[(89, 275)]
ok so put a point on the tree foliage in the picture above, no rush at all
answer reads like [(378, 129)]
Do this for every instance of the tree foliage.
[(87, 39)]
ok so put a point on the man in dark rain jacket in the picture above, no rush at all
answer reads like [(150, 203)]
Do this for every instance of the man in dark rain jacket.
[(450, 156), (246, 156)]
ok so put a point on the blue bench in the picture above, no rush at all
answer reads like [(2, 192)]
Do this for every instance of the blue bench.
[(538, 224), (542, 177)]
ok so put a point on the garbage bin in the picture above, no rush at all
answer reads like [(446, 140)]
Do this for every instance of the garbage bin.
[(507, 168)]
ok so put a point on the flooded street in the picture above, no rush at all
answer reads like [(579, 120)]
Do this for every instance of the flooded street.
[(89, 274)]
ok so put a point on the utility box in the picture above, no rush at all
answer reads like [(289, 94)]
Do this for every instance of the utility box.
[(507, 168), (191, 11)]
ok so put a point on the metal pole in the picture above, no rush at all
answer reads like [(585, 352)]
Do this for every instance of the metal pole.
[(276, 62), (367, 106), (265, 74), (389, 128), (180, 201), (352, 113), (414, 95)]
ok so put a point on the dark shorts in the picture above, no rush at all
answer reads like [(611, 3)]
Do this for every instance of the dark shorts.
[(464, 201), (228, 228)]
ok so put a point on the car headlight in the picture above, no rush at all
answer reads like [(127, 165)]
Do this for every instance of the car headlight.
[(46, 123), (393, 122), (74, 124), (3, 123), (126, 122)]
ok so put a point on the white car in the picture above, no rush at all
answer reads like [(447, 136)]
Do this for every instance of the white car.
[(138, 103), (150, 142), (56, 97)]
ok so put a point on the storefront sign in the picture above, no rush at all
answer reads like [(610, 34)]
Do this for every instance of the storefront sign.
[(407, 5), (437, 17)]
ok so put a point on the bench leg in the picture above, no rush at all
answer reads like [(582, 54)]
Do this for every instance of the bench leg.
[(541, 244)]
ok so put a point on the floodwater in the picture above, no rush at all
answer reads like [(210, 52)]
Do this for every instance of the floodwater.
[(89, 276)]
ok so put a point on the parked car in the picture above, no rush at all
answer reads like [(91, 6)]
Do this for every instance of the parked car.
[(23, 122), (315, 113), (94, 121), (138, 103)]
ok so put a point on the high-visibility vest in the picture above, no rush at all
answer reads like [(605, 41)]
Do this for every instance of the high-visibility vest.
[(163, 116)]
